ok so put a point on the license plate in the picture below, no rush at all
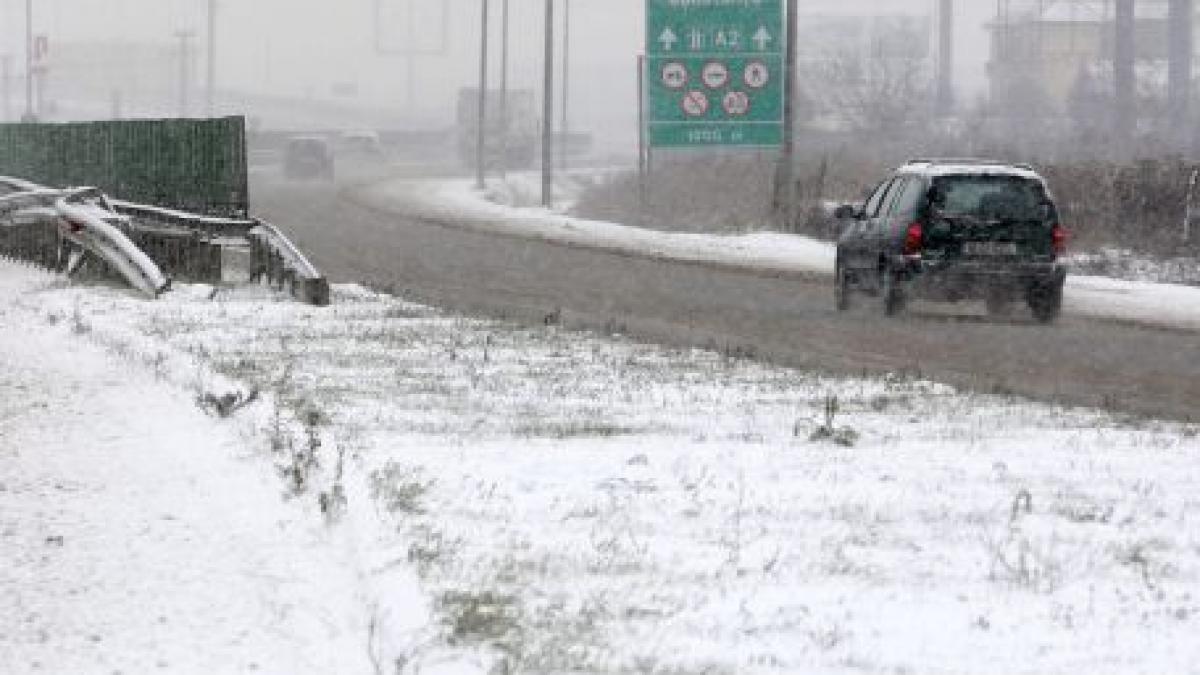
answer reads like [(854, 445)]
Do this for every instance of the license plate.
[(989, 248)]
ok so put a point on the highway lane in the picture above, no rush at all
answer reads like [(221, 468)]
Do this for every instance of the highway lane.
[(784, 320)]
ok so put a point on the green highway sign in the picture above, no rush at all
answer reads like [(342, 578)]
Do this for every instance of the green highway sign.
[(715, 72)]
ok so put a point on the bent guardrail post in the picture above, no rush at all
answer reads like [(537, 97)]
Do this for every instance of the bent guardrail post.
[(83, 228), (275, 257)]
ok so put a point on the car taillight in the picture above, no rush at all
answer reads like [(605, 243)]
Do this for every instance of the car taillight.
[(1058, 238), (913, 239)]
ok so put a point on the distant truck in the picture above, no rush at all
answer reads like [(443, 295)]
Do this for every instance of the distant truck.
[(519, 146)]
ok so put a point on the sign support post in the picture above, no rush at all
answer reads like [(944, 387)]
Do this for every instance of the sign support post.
[(548, 111), (785, 178), (481, 135), (30, 115), (642, 149)]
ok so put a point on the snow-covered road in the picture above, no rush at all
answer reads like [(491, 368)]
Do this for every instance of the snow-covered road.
[(458, 201)]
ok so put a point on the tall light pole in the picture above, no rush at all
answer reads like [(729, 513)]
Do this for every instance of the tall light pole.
[(481, 131), (564, 124), (945, 75), (548, 111), (29, 113), (1124, 55), (1180, 46), (211, 79), (5, 82), (185, 67), (504, 89)]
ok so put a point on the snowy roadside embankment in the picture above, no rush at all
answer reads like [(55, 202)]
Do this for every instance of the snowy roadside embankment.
[(458, 202), (600, 505), (138, 534)]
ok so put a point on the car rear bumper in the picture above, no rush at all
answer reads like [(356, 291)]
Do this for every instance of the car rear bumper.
[(976, 279)]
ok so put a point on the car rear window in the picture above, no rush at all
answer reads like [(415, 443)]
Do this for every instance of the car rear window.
[(989, 197)]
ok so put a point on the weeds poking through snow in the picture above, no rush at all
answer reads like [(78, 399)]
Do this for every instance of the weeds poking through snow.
[(333, 501), (829, 431), (483, 618), (78, 325), (227, 404), (303, 460), (1021, 558), (400, 489)]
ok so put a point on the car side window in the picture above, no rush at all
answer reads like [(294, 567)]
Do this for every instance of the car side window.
[(872, 205), (909, 200), (888, 197), (898, 188)]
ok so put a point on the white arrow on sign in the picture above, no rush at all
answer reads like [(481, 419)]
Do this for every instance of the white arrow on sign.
[(668, 39), (762, 38)]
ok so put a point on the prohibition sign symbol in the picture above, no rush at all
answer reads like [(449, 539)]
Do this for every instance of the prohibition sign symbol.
[(695, 104), (756, 75), (715, 75), (674, 75), (736, 103)]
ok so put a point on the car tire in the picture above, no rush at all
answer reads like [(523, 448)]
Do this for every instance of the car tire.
[(892, 292), (842, 289), (1045, 301)]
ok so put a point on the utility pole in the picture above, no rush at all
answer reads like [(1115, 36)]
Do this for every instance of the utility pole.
[(29, 116), (504, 89), (784, 178), (1180, 46), (410, 59), (564, 124), (1125, 118), (5, 82), (548, 111), (211, 83), (185, 67), (481, 132), (945, 80)]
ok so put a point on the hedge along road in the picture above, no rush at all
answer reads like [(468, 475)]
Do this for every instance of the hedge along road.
[(785, 319)]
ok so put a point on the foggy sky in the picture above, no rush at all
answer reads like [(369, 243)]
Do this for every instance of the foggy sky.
[(304, 48)]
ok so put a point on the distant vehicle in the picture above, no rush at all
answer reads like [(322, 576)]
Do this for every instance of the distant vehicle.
[(308, 158), (363, 144), (952, 230), (515, 139)]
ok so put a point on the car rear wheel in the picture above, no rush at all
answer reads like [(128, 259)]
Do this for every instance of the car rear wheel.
[(1045, 301), (842, 289)]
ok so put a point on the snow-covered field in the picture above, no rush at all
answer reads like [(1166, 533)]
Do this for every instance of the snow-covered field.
[(568, 502)]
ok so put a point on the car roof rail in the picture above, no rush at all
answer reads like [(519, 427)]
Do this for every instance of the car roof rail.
[(969, 161), (959, 160)]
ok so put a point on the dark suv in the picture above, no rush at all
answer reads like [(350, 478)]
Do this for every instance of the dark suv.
[(955, 230), (307, 157)]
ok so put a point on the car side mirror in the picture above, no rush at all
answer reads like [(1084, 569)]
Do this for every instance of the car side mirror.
[(846, 212)]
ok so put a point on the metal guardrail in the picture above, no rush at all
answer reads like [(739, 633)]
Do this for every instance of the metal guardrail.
[(276, 259), (184, 245)]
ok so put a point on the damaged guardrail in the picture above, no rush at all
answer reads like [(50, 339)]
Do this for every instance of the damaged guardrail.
[(56, 228), (145, 244), (275, 258), (82, 224)]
